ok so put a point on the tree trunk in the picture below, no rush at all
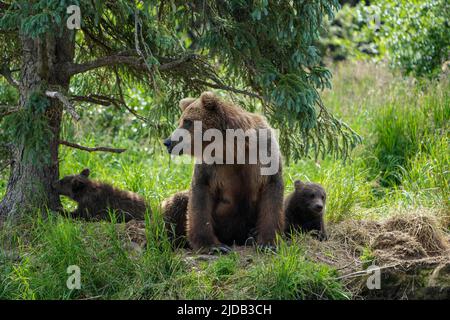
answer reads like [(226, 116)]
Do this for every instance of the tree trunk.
[(29, 185)]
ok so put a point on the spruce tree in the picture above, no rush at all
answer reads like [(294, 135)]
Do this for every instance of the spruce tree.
[(261, 53)]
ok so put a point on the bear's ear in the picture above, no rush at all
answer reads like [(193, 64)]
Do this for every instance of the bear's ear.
[(78, 185), (184, 103), (209, 100), (298, 184), (85, 173)]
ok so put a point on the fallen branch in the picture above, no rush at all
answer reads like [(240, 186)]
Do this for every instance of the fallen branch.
[(89, 149), (362, 273), (65, 101)]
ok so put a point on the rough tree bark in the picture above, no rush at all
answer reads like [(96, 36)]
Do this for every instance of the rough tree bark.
[(29, 184)]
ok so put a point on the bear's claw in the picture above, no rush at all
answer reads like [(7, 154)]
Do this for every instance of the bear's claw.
[(221, 248)]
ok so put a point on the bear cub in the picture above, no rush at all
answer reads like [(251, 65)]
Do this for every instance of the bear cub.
[(175, 218), (96, 200), (305, 208)]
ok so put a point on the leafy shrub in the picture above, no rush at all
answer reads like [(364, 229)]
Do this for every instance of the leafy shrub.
[(415, 34), (411, 35)]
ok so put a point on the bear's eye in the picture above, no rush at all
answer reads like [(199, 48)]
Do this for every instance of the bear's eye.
[(187, 123), (311, 195)]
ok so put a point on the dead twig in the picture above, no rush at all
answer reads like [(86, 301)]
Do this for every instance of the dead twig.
[(65, 101)]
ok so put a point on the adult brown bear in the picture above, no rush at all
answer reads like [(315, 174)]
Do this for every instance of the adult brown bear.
[(234, 195)]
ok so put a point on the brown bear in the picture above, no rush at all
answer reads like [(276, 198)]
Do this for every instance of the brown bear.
[(96, 200), (228, 200), (304, 209)]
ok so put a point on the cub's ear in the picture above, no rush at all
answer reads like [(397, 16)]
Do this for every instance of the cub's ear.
[(85, 173), (78, 185), (209, 100), (184, 103), (298, 184)]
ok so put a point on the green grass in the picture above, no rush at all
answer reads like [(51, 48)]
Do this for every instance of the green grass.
[(403, 162)]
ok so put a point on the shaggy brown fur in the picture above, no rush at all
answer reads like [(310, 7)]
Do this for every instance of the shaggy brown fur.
[(97, 200), (228, 200), (305, 208), (174, 213)]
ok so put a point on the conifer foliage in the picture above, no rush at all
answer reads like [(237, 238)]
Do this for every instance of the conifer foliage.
[(260, 53)]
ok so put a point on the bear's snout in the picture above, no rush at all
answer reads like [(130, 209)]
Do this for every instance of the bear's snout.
[(318, 207), (168, 143)]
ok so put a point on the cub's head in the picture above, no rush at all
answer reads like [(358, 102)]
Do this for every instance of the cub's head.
[(73, 185), (201, 114), (311, 196)]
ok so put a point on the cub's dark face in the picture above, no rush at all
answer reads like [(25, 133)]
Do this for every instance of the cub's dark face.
[(311, 195), (72, 185)]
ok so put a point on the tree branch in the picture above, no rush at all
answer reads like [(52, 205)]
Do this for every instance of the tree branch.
[(4, 71), (96, 99), (89, 149), (119, 58), (7, 110), (127, 58), (107, 101), (122, 98), (176, 63), (228, 88), (65, 101)]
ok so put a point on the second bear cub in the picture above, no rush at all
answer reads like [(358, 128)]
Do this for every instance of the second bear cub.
[(304, 209), (97, 200)]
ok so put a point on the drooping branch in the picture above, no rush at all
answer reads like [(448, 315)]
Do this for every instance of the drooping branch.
[(91, 149), (3, 5), (122, 99), (65, 101), (221, 86), (4, 71), (96, 99), (107, 101)]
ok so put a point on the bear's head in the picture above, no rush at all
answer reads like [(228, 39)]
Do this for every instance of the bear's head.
[(310, 196), (201, 114), (72, 186)]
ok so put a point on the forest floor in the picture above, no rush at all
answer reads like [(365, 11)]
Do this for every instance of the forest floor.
[(411, 252)]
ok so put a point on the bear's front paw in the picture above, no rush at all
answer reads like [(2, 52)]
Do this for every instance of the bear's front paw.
[(220, 248)]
